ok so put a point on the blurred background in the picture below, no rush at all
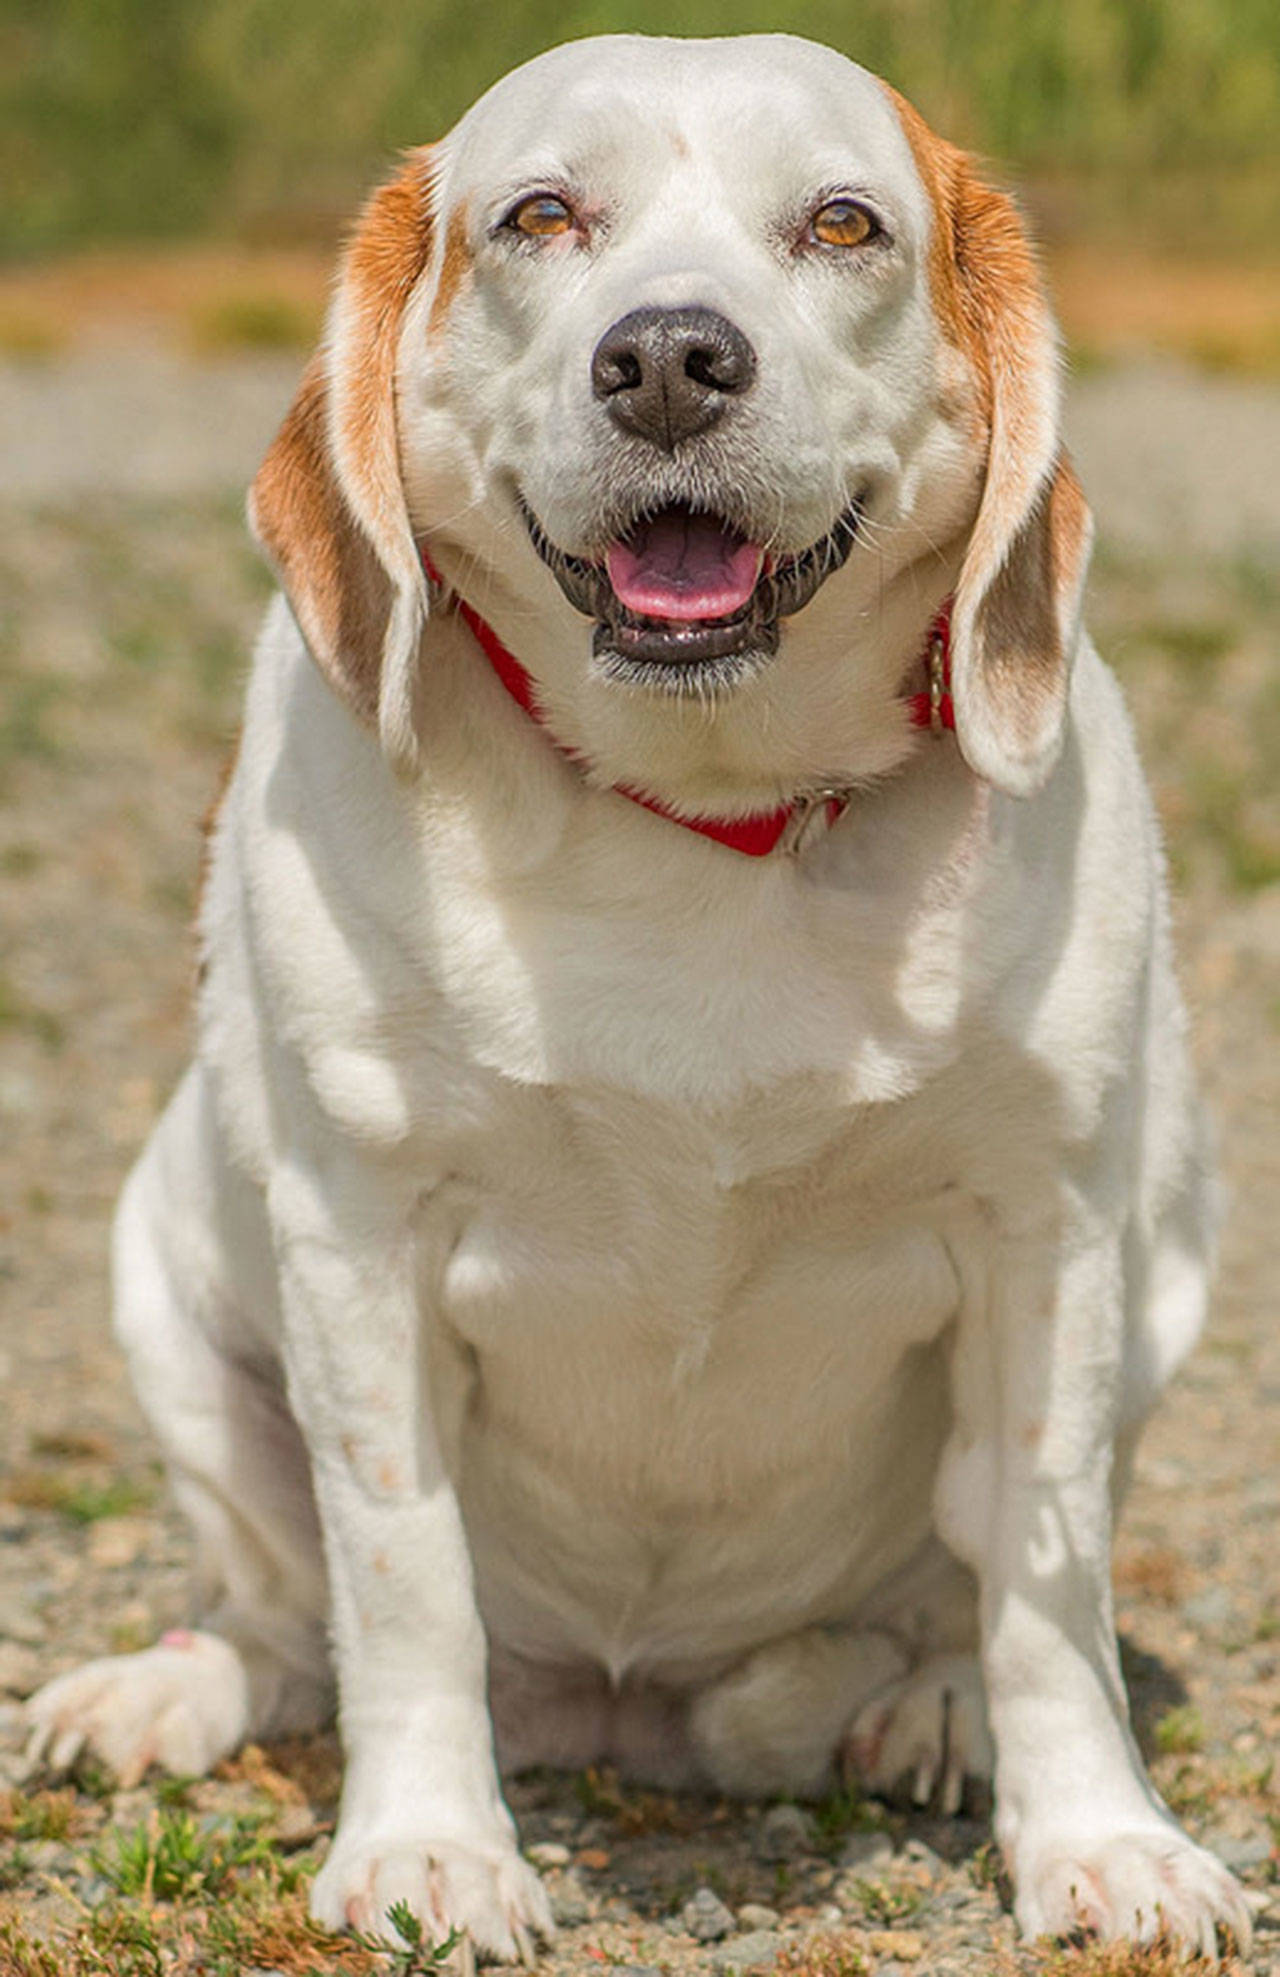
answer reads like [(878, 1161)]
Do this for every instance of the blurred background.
[(1145, 128), (176, 175)]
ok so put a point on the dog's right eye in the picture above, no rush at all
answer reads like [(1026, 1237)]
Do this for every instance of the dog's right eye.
[(542, 213)]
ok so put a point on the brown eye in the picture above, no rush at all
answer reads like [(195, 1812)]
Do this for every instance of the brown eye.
[(842, 223), (540, 215)]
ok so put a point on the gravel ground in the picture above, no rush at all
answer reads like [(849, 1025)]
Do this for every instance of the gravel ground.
[(129, 591)]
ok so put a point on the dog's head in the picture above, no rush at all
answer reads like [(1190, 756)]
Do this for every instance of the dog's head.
[(706, 371)]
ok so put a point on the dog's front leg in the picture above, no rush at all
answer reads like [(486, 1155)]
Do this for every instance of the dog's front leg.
[(1024, 1498), (422, 1818)]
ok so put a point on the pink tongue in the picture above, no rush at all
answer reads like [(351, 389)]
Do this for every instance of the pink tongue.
[(685, 566)]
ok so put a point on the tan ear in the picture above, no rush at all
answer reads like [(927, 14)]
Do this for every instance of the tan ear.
[(1016, 615), (327, 504)]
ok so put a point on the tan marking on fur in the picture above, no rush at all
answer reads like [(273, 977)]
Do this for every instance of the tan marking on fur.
[(329, 552), (454, 269), (336, 587), (986, 287), (1031, 533)]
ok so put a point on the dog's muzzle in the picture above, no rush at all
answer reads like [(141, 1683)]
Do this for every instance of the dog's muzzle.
[(684, 600)]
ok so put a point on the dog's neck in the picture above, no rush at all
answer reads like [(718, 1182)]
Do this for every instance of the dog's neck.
[(789, 825)]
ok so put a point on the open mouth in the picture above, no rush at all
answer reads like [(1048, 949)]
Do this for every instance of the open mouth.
[(683, 600)]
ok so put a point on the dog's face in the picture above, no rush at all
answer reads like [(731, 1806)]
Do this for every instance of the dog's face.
[(706, 372)]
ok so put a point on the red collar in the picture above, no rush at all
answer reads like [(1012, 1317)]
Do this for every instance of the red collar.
[(762, 831)]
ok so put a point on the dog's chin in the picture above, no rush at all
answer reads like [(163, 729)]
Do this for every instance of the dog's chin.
[(698, 659), (695, 622)]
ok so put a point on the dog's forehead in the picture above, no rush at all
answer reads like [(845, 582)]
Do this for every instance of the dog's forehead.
[(749, 105)]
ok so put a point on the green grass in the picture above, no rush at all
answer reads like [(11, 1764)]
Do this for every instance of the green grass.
[(253, 322), (172, 1855), (841, 1813), (1180, 1731), (17, 1013), (885, 1905), (120, 118), (79, 1500)]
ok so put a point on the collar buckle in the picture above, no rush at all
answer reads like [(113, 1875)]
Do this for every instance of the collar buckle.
[(829, 802), (937, 662)]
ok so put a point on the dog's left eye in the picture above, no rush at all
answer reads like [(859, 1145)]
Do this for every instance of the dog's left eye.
[(541, 214), (843, 223)]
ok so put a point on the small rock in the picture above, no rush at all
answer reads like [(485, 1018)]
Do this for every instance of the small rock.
[(904, 1944), (636, 1970), (758, 1951), (1239, 1852), (891, 1969), (47, 1856), (925, 1858), (296, 1826), (863, 1850), (570, 1902), (118, 1541), (19, 1669), (784, 1833), (754, 1915), (1208, 1611), (548, 1853), (705, 1917)]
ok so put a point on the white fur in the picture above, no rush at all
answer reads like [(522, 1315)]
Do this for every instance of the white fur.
[(575, 1235)]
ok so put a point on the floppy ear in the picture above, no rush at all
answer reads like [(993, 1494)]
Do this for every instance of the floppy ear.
[(1016, 613), (327, 504)]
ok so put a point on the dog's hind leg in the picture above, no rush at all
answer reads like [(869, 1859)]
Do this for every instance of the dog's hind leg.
[(776, 1722), (190, 1256)]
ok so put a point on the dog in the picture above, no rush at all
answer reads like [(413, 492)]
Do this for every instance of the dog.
[(690, 1180)]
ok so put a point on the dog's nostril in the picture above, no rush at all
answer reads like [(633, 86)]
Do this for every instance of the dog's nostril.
[(718, 368), (616, 370)]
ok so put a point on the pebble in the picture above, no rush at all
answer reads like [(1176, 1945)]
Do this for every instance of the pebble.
[(570, 1902), (925, 1858), (706, 1917), (863, 1850), (46, 1856), (754, 1915), (118, 1541), (296, 1826), (636, 1970), (758, 1951), (19, 1669), (1237, 1851), (784, 1833), (904, 1944), (548, 1853), (1208, 1611)]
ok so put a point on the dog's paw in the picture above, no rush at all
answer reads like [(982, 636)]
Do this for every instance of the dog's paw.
[(930, 1728), (774, 1723), (1139, 1885), (183, 1704), (486, 1891)]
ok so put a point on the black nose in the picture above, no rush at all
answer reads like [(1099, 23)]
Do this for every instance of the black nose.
[(668, 374)]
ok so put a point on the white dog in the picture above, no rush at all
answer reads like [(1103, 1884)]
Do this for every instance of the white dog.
[(690, 1179)]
